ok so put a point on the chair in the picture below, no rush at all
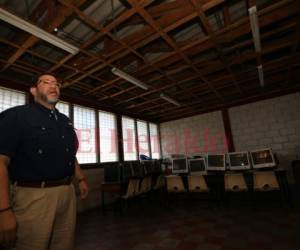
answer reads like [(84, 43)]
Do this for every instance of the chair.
[(235, 182), (131, 192), (175, 184), (234, 185), (160, 183), (175, 187), (145, 185), (266, 181), (132, 188), (197, 183)]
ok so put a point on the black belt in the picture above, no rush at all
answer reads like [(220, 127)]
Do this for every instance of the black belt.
[(44, 184)]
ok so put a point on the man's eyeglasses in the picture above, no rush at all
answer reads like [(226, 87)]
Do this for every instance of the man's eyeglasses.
[(48, 82)]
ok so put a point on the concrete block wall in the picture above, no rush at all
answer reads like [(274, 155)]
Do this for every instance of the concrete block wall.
[(271, 123), (192, 135)]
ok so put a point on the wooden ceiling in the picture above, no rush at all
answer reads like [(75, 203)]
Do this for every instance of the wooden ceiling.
[(199, 53)]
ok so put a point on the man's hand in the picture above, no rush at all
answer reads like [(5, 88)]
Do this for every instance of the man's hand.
[(83, 188), (8, 229)]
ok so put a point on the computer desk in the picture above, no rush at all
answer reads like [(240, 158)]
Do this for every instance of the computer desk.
[(215, 180)]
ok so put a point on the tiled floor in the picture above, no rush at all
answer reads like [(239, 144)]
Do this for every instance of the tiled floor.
[(189, 226)]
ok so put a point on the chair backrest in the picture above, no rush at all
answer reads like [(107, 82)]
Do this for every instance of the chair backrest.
[(132, 188), (175, 184), (160, 182), (197, 183), (265, 181), (235, 182), (146, 184)]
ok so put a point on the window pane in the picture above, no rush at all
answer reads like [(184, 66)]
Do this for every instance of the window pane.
[(143, 138), (63, 108), (129, 145), (108, 137), (154, 140), (11, 98), (85, 124)]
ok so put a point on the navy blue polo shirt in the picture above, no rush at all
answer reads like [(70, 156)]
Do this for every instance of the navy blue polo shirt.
[(41, 143)]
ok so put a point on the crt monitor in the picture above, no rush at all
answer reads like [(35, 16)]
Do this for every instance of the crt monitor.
[(112, 172), (138, 169), (127, 171), (262, 158), (179, 166), (148, 166), (216, 162), (197, 166), (239, 161)]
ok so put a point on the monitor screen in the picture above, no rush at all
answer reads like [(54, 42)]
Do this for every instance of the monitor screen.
[(197, 166), (216, 162), (127, 171), (239, 161), (138, 169), (262, 158), (179, 165), (148, 166), (112, 173)]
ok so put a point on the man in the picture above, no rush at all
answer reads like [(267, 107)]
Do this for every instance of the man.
[(37, 165)]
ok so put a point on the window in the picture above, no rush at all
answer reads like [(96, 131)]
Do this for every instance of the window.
[(154, 139), (63, 108), (108, 137), (11, 98), (85, 125), (129, 144), (143, 141)]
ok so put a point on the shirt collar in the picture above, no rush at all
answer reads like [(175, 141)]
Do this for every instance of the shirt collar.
[(44, 109)]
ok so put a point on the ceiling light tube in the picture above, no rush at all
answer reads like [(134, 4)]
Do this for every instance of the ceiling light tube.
[(261, 75), (169, 99), (129, 78), (255, 28), (36, 31)]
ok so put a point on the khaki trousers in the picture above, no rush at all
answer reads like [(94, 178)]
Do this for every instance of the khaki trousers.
[(46, 217)]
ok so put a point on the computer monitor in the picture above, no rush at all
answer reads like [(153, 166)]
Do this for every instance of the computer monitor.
[(148, 166), (112, 172), (138, 169), (262, 158), (127, 171), (216, 162), (197, 166), (239, 160), (179, 166)]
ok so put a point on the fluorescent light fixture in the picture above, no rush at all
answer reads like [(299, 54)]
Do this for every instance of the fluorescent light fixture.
[(169, 99), (36, 31), (129, 78), (261, 75), (255, 28)]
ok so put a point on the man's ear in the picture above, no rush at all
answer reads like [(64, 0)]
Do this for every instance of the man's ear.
[(33, 90)]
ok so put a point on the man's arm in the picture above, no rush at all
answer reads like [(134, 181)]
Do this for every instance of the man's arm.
[(8, 224), (82, 182)]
